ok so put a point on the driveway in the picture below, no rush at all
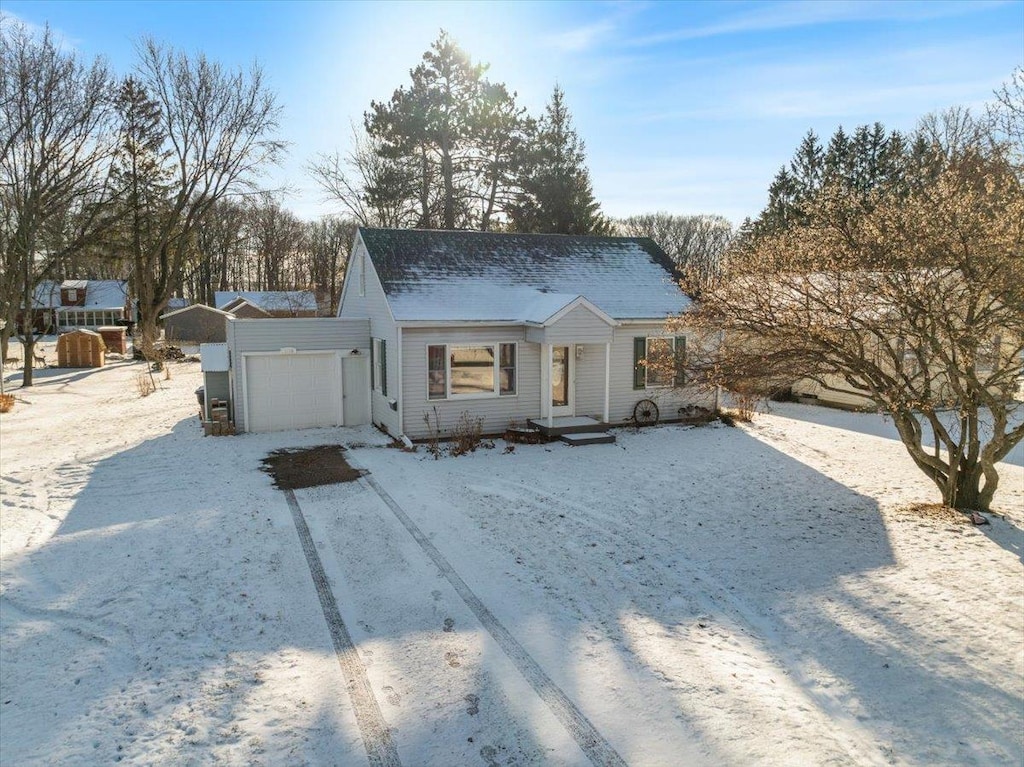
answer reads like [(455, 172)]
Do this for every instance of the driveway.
[(700, 596)]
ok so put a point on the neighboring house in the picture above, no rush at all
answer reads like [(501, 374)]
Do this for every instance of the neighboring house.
[(45, 300), (197, 323), (502, 327), (837, 391), (175, 303), (86, 304), (245, 310), (268, 303)]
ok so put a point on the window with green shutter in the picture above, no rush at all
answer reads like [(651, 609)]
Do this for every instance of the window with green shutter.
[(639, 358), (680, 357), (379, 365)]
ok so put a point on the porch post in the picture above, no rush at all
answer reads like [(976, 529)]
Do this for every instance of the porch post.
[(549, 365), (607, 379)]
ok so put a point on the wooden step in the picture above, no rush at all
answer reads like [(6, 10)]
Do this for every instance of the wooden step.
[(602, 438)]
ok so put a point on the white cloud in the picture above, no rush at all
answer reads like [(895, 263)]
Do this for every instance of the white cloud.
[(789, 15), (581, 38)]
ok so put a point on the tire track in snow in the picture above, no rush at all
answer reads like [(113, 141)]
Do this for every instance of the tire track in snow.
[(862, 746), (590, 741), (380, 746)]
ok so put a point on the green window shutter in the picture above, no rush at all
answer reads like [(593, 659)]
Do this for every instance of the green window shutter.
[(680, 360), (639, 355), (373, 370), (384, 367)]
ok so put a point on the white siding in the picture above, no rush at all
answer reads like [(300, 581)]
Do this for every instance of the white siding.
[(847, 398), (496, 411), (374, 306), (301, 334), (624, 396), (590, 381), (578, 326)]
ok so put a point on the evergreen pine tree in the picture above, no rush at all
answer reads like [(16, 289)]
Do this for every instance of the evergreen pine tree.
[(557, 196), (140, 172)]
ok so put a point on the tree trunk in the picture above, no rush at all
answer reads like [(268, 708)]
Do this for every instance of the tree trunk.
[(969, 492), (147, 333), (29, 348)]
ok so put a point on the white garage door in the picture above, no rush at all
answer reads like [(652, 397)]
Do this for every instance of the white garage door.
[(293, 391)]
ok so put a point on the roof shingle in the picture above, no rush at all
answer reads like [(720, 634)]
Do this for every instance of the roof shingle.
[(489, 276)]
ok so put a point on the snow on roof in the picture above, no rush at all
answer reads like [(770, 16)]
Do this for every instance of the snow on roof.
[(46, 295), (194, 308), (213, 358), (269, 300), (177, 303), (82, 331), (106, 294), (99, 294), (487, 276)]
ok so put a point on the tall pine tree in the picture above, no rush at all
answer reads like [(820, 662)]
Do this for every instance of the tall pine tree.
[(865, 163), (142, 179), (557, 196), (430, 122)]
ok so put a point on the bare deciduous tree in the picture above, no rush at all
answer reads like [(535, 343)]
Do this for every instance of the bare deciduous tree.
[(697, 244), (373, 189), (54, 167), (913, 294), (328, 241), (219, 126)]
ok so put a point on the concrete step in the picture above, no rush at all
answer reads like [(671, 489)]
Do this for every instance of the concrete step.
[(567, 425), (602, 438)]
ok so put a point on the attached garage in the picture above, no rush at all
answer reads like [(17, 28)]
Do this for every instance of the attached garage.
[(298, 373), (292, 390)]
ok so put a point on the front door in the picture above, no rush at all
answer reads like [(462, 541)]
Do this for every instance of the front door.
[(563, 383)]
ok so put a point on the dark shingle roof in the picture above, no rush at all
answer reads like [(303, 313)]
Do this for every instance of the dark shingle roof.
[(460, 275)]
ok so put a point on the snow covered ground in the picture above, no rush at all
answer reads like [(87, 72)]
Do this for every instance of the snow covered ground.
[(757, 595)]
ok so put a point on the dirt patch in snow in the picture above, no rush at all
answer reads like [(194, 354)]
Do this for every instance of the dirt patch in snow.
[(938, 512), (309, 467)]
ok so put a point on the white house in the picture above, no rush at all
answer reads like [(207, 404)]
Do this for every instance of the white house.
[(504, 327)]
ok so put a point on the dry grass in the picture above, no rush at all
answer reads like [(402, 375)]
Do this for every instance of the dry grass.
[(6, 403), (144, 384), (938, 512), (467, 434), (309, 467)]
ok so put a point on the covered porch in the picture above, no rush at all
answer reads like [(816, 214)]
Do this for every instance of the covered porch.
[(565, 338)]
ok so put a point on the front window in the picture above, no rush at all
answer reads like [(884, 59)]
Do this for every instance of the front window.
[(508, 368), (660, 362), (471, 371), (437, 387)]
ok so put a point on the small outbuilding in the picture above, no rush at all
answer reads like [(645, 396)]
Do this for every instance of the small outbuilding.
[(81, 349), (115, 338), (197, 323), (267, 303)]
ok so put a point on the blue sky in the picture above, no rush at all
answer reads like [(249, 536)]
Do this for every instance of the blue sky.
[(684, 107)]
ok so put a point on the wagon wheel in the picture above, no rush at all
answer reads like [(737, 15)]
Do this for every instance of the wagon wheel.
[(645, 413)]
